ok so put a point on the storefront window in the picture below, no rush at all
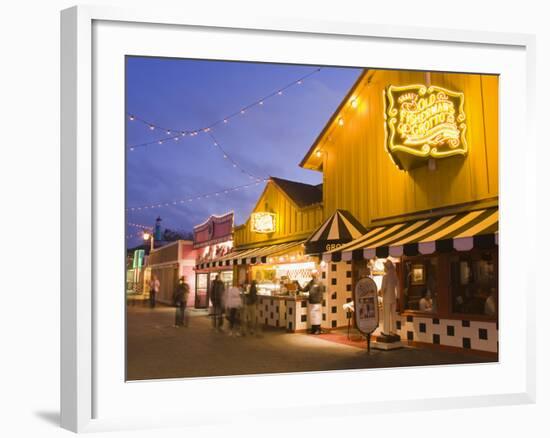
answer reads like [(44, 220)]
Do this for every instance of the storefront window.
[(420, 284), (474, 283), (282, 279), (227, 278)]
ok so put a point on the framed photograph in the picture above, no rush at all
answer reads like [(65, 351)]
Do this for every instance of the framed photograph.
[(417, 277), (217, 198)]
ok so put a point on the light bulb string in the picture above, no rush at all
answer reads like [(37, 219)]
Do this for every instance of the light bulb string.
[(143, 227), (192, 132), (192, 198), (228, 157)]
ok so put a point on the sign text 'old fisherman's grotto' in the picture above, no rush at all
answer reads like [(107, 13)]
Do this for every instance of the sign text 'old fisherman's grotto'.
[(424, 122)]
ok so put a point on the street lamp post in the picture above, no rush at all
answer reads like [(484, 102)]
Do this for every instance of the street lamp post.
[(149, 236)]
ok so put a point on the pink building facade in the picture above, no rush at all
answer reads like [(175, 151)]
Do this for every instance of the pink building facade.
[(169, 263)]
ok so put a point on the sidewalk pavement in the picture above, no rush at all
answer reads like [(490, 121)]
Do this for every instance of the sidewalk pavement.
[(157, 350)]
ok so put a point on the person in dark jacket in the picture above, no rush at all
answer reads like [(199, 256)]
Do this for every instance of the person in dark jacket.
[(181, 294), (316, 290), (217, 292), (250, 319)]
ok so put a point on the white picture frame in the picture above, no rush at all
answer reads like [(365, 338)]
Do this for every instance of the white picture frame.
[(82, 369)]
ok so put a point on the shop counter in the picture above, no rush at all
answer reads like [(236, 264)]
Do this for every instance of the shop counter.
[(284, 311)]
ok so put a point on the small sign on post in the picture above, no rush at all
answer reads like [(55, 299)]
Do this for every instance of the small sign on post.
[(365, 297)]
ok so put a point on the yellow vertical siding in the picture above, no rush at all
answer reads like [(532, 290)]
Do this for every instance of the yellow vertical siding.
[(293, 223), (360, 176)]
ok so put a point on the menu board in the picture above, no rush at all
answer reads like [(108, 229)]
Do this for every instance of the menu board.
[(365, 297)]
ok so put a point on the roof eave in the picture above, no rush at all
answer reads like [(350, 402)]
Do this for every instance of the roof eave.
[(330, 122)]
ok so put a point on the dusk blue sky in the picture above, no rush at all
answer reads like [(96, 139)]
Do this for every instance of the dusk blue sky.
[(268, 140)]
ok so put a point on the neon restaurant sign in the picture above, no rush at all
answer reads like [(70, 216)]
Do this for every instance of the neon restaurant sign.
[(263, 222), (424, 122)]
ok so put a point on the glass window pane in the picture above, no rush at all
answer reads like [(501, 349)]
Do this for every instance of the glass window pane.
[(474, 283), (420, 285)]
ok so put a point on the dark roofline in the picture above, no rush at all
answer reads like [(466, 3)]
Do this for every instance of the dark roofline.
[(301, 203), (333, 117)]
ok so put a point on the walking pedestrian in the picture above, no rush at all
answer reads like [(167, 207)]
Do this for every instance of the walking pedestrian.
[(217, 291), (233, 304), (316, 290), (250, 318), (181, 294), (154, 288)]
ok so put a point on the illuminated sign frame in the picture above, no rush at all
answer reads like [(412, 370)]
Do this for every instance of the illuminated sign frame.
[(435, 112), (263, 222)]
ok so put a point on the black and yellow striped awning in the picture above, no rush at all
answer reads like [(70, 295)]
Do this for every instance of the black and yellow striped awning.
[(252, 256), (460, 232), (338, 229)]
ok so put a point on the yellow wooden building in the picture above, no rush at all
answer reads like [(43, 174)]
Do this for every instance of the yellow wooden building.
[(269, 249), (293, 209), (359, 174), (413, 156)]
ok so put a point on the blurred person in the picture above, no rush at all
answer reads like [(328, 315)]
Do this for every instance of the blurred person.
[(233, 304), (250, 318), (181, 294), (490, 308), (426, 304), (316, 291), (154, 288), (217, 292)]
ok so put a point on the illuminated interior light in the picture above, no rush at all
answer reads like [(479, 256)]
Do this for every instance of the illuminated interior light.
[(132, 149), (318, 154), (132, 118), (242, 111), (160, 141), (299, 82), (341, 121), (280, 93), (168, 132), (151, 127), (176, 138), (354, 103), (261, 102)]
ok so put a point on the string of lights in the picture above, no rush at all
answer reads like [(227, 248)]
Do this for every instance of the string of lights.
[(226, 156), (148, 228), (190, 199), (143, 227), (229, 159), (175, 134)]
